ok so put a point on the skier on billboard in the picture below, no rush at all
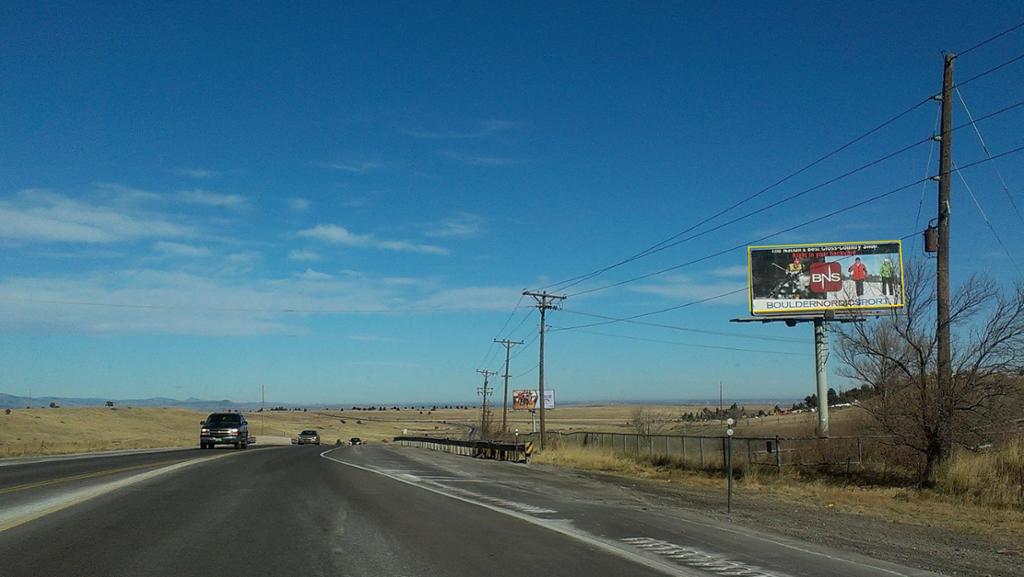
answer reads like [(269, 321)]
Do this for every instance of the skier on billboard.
[(858, 272)]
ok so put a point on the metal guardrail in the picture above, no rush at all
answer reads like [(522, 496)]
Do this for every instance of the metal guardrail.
[(480, 449)]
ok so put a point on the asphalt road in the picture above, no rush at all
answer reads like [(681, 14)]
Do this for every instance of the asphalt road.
[(363, 511)]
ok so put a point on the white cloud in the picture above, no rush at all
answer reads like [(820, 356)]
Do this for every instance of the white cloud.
[(374, 339), (354, 167), (337, 235), (476, 298), (298, 204), (404, 246), (145, 301), (181, 249), (310, 274), (207, 198), (480, 159), (196, 172), (687, 288), (303, 255), (462, 225), (483, 129), (735, 271), (242, 262), (127, 193), (43, 216), (340, 235)]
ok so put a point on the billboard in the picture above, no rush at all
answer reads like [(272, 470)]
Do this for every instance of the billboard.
[(795, 279), (526, 399)]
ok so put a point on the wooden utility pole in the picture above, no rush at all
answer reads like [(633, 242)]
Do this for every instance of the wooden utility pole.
[(945, 179), (544, 302), (484, 391), (504, 399)]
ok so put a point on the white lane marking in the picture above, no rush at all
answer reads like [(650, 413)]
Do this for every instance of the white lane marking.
[(13, 461), (22, 514), (558, 526), (696, 558), (523, 507), (859, 561)]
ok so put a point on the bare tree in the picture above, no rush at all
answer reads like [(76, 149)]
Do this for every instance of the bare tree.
[(647, 422), (897, 356)]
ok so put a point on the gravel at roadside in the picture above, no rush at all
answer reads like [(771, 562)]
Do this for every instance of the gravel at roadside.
[(939, 549)]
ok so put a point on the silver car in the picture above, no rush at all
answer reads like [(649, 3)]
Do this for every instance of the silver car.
[(308, 437)]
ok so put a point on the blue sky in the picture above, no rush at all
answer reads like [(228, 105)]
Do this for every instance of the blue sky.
[(344, 201)]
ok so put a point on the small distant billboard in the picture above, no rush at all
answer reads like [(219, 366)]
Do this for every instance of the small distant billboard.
[(526, 399), (796, 279)]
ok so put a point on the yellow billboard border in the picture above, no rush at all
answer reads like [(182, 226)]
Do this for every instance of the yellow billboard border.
[(750, 278)]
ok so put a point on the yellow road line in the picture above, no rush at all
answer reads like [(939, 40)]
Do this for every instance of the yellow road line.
[(35, 484), (82, 495)]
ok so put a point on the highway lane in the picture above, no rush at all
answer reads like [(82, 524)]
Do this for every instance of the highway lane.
[(615, 515), (25, 482), (382, 510), (288, 511)]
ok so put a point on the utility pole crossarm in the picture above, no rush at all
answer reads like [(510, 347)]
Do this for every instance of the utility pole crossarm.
[(545, 301)]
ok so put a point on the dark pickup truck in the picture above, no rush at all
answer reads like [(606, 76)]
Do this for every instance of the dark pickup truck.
[(224, 429)]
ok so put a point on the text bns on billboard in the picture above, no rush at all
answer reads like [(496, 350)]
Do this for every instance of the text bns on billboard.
[(812, 278)]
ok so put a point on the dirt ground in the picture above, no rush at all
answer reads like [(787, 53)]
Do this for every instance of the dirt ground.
[(969, 550)]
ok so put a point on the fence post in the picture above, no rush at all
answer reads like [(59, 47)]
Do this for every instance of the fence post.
[(682, 449), (860, 453), (750, 461), (778, 454), (701, 439)]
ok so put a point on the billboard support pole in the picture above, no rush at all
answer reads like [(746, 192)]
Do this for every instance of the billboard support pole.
[(821, 373)]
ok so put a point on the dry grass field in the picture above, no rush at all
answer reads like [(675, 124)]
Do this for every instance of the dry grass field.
[(68, 430), (983, 490), (44, 431)]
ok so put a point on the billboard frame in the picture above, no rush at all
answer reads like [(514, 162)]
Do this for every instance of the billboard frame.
[(812, 312)]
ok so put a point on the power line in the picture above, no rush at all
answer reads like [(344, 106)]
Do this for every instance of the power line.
[(734, 349), (675, 240), (984, 147), (524, 373), (653, 248), (990, 39), (990, 71), (491, 348), (525, 347), (789, 229), (988, 223), (657, 312), (927, 171), (632, 319), (688, 329)]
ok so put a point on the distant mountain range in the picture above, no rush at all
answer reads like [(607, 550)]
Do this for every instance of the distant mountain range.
[(15, 402)]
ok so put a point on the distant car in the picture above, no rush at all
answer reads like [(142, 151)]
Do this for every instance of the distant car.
[(355, 441), (308, 437), (224, 429)]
